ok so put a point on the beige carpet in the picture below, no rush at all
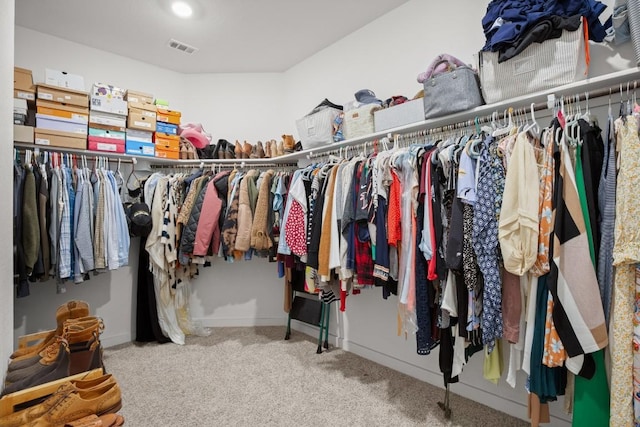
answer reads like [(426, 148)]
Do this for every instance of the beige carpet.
[(252, 377)]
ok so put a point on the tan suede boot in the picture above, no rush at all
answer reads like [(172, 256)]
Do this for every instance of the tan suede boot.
[(246, 150), (267, 149), (289, 143)]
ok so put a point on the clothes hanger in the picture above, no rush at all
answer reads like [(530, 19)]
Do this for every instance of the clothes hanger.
[(503, 131)]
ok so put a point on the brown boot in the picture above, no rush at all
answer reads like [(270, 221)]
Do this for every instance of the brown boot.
[(260, 152), (267, 149), (238, 149), (70, 310), (246, 150), (280, 148), (289, 143)]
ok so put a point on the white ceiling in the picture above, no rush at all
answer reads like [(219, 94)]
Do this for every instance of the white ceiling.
[(232, 35)]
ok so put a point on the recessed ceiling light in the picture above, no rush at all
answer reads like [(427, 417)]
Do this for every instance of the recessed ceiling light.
[(181, 9)]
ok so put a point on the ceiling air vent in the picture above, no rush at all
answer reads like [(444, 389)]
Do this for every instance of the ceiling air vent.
[(183, 47)]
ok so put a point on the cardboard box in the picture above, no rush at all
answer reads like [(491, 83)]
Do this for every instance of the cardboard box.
[(140, 97), (167, 128), (140, 148), (106, 127), (100, 118), (107, 133), (109, 105), (64, 79), (19, 119), (56, 138), (399, 115), (23, 87), (95, 143), (107, 91), (165, 154), (139, 135), (44, 121), (139, 121), (143, 112), (147, 109), (80, 115), (167, 142), (29, 96), (20, 106), (168, 116), (64, 96), (23, 134)]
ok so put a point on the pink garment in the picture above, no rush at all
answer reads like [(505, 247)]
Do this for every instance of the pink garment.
[(441, 64), (431, 264), (208, 230)]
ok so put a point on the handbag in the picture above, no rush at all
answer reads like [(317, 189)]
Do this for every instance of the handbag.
[(540, 66), (451, 91)]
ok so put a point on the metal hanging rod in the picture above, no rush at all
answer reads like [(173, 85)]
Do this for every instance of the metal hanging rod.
[(21, 147), (237, 165)]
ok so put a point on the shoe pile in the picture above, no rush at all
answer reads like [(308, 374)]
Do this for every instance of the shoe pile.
[(72, 348), (266, 150)]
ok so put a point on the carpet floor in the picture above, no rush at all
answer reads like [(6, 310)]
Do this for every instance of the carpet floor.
[(252, 377)]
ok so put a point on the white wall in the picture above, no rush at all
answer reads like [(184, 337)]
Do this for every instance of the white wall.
[(386, 56), (6, 180)]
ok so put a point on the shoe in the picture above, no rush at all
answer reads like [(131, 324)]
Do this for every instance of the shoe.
[(77, 404), (78, 333), (55, 371), (280, 149), (298, 146), (71, 310), (238, 149), (230, 151), (289, 143), (246, 150), (260, 153), (107, 420), (267, 149), (34, 412)]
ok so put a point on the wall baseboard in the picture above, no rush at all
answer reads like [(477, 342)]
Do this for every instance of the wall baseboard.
[(112, 340), (514, 408), (242, 322)]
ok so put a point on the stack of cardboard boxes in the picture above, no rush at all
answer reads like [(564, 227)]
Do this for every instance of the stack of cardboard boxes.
[(141, 124), (108, 119), (62, 111), (24, 105), (166, 140)]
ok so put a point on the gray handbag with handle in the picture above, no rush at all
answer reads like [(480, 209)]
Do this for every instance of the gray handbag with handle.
[(451, 91)]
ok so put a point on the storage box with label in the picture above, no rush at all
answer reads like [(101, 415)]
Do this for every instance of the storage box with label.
[(140, 121), (139, 148), (139, 135), (399, 115), (23, 87), (167, 128), (64, 79), (106, 127), (107, 91), (140, 97), (359, 122), (65, 96), (64, 111), (168, 116), (23, 134), (96, 143), (167, 154), (316, 130), (148, 110), (44, 121), (167, 142), (98, 117), (109, 105), (20, 110), (107, 133), (56, 138)]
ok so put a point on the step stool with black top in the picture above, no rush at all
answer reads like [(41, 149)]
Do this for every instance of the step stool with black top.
[(308, 308)]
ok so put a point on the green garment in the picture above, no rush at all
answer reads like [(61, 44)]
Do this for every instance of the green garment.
[(591, 397)]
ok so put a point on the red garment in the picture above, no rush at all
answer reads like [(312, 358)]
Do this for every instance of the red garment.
[(295, 234), (431, 272), (364, 260), (394, 230)]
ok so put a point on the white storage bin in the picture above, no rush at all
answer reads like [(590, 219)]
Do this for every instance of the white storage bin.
[(316, 130), (359, 122), (399, 115)]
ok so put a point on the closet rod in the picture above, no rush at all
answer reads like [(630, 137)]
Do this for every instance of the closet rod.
[(236, 165), (89, 154)]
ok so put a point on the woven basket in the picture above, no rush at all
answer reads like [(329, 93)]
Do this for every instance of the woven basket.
[(359, 122)]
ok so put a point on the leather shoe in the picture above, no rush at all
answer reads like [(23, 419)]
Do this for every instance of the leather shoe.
[(76, 404), (28, 415)]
